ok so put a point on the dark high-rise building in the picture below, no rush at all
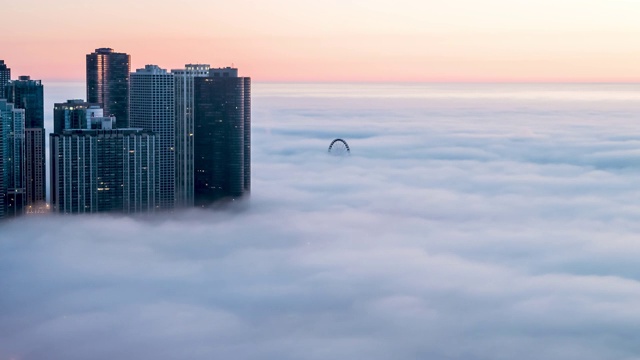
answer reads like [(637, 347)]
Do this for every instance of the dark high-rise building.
[(152, 108), (34, 167), (2, 168), (12, 122), (74, 114), (5, 76), (28, 94), (222, 138), (103, 170), (108, 83)]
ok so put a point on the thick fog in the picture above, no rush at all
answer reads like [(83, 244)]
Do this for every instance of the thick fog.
[(469, 222)]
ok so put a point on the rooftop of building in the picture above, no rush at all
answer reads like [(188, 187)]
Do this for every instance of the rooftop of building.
[(72, 103), (151, 70), (190, 68), (26, 79), (223, 72), (106, 51), (95, 132)]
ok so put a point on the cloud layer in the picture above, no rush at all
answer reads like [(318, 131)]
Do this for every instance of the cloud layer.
[(495, 228)]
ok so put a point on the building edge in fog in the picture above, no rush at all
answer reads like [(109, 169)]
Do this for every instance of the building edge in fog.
[(182, 139)]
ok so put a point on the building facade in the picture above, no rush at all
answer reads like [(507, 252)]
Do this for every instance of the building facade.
[(28, 94), (2, 170), (184, 130), (13, 178), (74, 114), (152, 107), (95, 171), (5, 76), (35, 167), (222, 139), (108, 83)]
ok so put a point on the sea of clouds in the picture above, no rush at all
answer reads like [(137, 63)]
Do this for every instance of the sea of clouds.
[(469, 222)]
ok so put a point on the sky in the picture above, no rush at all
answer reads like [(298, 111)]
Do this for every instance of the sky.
[(336, 41), (470, 222)]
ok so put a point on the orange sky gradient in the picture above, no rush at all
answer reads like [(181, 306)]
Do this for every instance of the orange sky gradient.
[(347, 40)]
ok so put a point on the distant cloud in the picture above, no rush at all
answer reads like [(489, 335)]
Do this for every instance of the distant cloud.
[(468, 231)]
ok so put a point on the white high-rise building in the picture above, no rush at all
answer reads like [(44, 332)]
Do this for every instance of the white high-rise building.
[(184, 107), (152, 107)]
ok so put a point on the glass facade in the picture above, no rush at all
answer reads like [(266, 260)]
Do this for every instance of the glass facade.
[(2, 167), (28, 94), (5, 76), (184, 128), (222, 141), (108, 83), (247, 134), (73, 114), (35, 167), (12, 158), (96, 171)]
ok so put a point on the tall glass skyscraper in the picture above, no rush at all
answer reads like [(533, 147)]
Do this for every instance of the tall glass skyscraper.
[(222, 144), (5, 76), (153, 108), (28, 94), (100, 170), (12, 121), (184, 106), (108, 83)]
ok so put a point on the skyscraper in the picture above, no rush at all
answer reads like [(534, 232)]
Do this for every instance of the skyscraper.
[(108, 83), (35, 167), (103, 170), (2, 187), (74, 114), (152, 108), (184, 106), (222, 140), (28, 94), (2, 168), (12, 121), (5, 76)]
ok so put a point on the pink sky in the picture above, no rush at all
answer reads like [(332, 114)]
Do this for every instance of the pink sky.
[(347, 40)]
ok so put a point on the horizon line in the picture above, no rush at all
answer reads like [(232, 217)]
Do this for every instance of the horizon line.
[(479, 82)]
